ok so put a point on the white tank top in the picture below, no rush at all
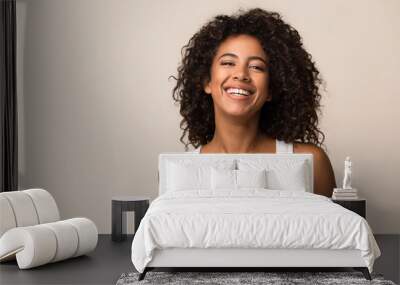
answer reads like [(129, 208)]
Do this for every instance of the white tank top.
[(281, 147)]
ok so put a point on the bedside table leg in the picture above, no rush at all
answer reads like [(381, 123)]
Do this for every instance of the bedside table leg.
[(116, 223)]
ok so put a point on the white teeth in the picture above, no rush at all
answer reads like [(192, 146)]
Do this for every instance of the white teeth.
[(238, 92)]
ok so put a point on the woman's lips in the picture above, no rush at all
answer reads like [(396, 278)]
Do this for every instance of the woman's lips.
[(238, 97)]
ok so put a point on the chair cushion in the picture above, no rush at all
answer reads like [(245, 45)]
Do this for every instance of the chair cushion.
[(67, 239), (87, 233), (7, 215), (24, 211), (45, 205), (27, 208), (40, 244), (32, 246)]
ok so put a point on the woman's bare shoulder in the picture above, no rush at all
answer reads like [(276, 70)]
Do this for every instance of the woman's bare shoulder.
[(307, 148), (324, 177), (321, 159)]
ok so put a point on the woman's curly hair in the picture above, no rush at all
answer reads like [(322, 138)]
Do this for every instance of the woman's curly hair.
[(294, 80)]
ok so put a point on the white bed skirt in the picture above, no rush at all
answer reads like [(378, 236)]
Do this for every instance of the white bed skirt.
[(236, 257)]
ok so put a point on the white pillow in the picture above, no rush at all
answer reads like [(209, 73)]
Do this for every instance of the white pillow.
[(236, 179), (282, 174), (184, 175), (251, 178), (293, 178), (223, 179)]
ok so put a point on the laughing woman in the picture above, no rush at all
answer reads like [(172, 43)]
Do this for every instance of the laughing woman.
[(247, 85)]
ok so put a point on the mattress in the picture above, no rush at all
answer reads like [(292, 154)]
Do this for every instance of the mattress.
[(250, 219)]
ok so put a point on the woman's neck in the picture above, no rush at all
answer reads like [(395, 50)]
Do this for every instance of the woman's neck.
[(237, 137)]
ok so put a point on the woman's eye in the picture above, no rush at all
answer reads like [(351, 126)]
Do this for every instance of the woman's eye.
[(227, 63), (257, 67)]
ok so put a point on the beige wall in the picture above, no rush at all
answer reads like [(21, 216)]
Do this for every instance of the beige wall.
[(96, 109)]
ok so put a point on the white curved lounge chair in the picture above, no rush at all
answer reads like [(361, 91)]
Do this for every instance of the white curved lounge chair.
[(31, 230)]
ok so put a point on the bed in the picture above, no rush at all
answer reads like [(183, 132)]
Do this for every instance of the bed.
[(247, 210)]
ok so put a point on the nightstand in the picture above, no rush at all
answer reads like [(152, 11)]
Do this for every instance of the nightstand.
[(124, 204), (358, 206)]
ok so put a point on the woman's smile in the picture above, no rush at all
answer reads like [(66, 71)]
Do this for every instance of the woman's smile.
[(238, 93)]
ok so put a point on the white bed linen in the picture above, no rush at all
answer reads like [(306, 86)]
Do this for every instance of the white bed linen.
[(250, 218)]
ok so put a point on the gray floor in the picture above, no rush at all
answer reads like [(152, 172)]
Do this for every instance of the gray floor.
[(102, 266), (110, 259)]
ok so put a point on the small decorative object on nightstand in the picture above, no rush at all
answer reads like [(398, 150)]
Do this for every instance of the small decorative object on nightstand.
[(347, 192), (358, 206), (122, 204), (347, 196)]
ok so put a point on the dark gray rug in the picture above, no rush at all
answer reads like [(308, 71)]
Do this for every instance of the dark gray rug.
[(270, 278)]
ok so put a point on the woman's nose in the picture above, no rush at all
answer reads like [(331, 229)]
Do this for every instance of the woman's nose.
[(241, 74)]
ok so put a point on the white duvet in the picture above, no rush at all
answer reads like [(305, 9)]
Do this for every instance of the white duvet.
[(250, 218)]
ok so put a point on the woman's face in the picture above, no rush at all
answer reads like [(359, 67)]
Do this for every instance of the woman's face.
[(239, 77)]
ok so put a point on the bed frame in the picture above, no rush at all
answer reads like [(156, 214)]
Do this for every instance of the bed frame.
[(242, 259), (248, 259)]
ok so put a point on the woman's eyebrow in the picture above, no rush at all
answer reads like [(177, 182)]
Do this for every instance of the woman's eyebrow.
[(250, 57)]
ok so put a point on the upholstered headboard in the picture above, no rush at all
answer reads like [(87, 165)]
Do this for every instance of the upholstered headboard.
[(283, 165)]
